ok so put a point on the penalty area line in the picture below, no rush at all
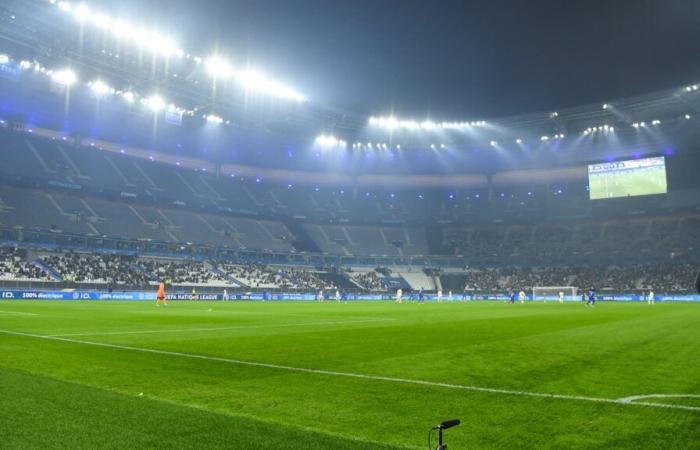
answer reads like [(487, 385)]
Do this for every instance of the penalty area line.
[(358, 375)]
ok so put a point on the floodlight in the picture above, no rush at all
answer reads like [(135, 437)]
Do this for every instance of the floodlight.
[(4, 59), (218, 67), (327, 141), (128, 96), (518, 141), (211, 118), (102, 21), (81, 13), (99, 87), (687, 116), (161, 44), (493, 143), (155, 103), (255, 81), (65, 77)]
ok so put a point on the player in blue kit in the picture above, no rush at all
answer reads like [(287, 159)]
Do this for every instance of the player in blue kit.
[(591, 298)]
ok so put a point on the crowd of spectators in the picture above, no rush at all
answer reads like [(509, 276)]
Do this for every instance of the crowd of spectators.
[(665, 277), (674, 276), (186, 272), (13, 266), (370, 281), (262, 276), (87, 268)]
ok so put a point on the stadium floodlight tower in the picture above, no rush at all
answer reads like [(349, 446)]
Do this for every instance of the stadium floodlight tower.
[(554, 293)]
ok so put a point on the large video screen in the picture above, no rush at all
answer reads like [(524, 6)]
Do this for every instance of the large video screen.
[(627, 178)]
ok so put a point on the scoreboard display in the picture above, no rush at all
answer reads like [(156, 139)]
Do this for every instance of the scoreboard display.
[(627, 178)]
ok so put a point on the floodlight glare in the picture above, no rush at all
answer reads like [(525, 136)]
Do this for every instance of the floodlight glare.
[(4, 59), (102, 21), (155, 103), (128, 96), (160, 44), (65, 77), (330, 141), (99, 87), (211, 118), (81, 13), (218, 67), (255, 81)]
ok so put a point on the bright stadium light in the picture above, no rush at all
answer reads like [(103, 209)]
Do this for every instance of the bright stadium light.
[(409, 124), (329, 141), (218, 67), (159, 44), (518, 141), (493, 143), (428, 125), (65, 77), (4, 59), (99, 87), (211, 118), (254, 81), (155, 103), (81, 13), (128, 96)]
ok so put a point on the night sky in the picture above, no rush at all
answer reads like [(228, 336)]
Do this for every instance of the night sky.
[(449, 60)]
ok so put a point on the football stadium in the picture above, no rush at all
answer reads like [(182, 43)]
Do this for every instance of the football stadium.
[(349, 225)]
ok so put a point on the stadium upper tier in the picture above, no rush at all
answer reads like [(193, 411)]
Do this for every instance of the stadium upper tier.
[(61, 188)]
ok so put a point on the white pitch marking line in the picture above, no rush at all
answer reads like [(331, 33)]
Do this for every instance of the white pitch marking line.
[(19, 313), (356, 375), (241, 327), (641, 397)]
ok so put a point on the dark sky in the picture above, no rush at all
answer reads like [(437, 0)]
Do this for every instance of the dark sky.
[(447, 59)]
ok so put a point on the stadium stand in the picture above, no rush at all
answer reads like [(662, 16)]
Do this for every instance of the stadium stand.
[(80, 195), (14, 267)]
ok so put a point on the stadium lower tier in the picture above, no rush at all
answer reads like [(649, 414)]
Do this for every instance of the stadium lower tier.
[(38, 269)]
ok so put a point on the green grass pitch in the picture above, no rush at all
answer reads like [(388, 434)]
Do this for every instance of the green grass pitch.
[(344, 376)]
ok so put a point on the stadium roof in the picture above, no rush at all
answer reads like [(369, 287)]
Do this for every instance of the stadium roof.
[(72, 43)]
